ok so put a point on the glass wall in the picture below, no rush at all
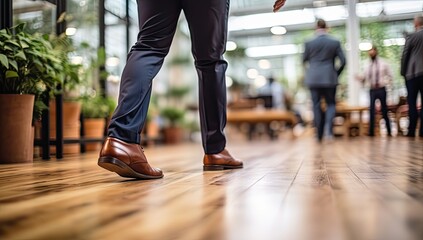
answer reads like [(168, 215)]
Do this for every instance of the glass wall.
[(262, 44), (39, 16)]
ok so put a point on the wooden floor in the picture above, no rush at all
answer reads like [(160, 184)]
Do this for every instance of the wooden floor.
[(361, 188)]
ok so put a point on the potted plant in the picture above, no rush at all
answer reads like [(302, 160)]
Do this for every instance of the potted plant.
[(173, 131), (173, 111), (70, 82), (28, 66), (96, 110), (151, 132)]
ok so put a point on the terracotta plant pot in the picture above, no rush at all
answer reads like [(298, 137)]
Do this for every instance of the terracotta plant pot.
[(94, 128), (71, 125), (17, 136), (173, 135)]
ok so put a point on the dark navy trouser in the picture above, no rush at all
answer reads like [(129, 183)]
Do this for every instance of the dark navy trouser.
[(323, 121), (207, 21), (379, 93), (414, 86)]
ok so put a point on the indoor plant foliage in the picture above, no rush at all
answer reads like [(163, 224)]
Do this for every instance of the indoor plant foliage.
[(174, 115), (69, 75), (29, 64), (97, 106)]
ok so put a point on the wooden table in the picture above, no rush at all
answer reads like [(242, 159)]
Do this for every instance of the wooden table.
[(346, 111), (254, 117)]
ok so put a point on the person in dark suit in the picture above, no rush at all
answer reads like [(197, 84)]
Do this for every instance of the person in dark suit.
[(378, 74), (207, 21), (412, 70), (321, 76)]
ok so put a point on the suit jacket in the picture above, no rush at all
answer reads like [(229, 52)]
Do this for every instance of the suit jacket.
[(320, 53), (412, 56)]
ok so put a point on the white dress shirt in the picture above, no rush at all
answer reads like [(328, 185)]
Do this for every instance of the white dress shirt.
[(378, 73)]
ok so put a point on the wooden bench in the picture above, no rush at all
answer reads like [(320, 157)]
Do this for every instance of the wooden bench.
[(346, 112), (252, 117)]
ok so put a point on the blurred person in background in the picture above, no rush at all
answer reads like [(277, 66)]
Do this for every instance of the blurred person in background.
[(275, 90), (412, 70), (378, 74), (321, 77)]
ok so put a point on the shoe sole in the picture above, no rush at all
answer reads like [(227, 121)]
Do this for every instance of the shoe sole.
[(220, 167), (122, 169)]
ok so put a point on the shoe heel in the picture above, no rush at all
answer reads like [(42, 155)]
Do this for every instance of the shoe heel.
[(123, 170), (213, 168), (111, 164)]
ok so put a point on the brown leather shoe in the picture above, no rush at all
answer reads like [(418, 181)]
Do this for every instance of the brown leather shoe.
[(127, 160), (220, 161)]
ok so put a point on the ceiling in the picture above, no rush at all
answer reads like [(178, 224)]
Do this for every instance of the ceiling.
[(293, 13), (251, 20), (243, 7)]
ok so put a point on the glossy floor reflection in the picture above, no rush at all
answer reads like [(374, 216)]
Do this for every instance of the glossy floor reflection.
[(359, 188)]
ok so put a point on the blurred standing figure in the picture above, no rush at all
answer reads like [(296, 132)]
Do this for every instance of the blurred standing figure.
[(378, 75), (278, 96), (322, 76), (208, 26), (275, 90), (412, 70)]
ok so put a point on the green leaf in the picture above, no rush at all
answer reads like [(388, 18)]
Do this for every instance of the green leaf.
[(19, 28), (13, 42), (14, 64), (11, 74), (4, 61), (101, 56), (20, 55), (85, 45), (24, 44), (26, 40), (61, 18), (7, 47)]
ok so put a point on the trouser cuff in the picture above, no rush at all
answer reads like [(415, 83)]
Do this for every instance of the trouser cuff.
[(126, 136), (214, 148)]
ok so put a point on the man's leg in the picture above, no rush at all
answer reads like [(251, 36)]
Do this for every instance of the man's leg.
[(412, 93), (372, 112), (317, 112), (208, 24), (330, 98), (157, 27), (384, 107), (420, 87), (207, 20), (121, 152)]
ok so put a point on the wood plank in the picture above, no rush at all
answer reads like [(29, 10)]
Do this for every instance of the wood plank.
[(356, 188)]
